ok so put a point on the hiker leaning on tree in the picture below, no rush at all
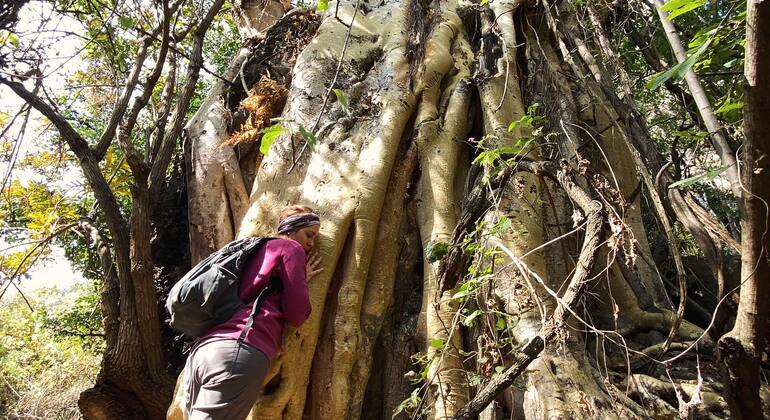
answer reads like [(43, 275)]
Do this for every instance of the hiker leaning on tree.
[(226, 375)]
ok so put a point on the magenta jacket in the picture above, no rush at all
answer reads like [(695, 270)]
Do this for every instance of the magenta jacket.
[(286, 259)]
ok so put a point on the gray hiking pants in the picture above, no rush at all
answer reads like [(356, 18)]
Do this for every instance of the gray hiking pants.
[(225, 378)]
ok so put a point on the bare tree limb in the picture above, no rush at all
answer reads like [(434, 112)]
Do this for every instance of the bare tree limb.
[(167, 100), (110, 294), (117, 114), (133, 156), (161, 161), (521, 359), (717, 133)]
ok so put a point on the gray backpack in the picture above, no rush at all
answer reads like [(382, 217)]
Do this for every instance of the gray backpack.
[(207, 295)]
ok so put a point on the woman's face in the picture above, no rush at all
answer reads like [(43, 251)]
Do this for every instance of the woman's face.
[(306, 237)]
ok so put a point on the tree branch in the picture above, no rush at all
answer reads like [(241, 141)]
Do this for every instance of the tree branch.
[(27, 256), (120, 109), (521, 359), (160, 162), (717, 134), (133, 156), (167, 99), (90, 167), (110, 288), (741, 351)]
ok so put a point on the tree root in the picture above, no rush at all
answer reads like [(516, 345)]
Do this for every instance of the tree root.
[(650, 388)]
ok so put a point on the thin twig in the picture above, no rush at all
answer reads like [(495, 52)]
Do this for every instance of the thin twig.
[(17, 271)]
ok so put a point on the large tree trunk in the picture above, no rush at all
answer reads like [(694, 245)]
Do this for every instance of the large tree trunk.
[(742, 348), (422, 78)]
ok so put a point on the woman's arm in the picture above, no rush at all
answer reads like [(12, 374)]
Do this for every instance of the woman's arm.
[(295, 298)]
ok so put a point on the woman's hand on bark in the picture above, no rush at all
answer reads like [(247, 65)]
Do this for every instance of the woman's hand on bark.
[(313, 266)]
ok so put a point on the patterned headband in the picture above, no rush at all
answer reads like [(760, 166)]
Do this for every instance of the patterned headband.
[(297, 222)]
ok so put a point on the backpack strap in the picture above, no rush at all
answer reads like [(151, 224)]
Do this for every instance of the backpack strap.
[(273, 285)]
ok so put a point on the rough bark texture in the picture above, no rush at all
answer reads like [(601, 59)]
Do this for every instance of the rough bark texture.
[(422, 78), (741, 350)]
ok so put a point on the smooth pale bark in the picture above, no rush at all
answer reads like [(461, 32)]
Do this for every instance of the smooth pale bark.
[(716, 132), (741, 349), (345, 179), (442, 124), (217, 196)]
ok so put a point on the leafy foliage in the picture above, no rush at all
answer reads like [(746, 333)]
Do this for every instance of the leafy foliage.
[(436, 250), (43, 371), (707, 176), (679, 71), (342, 98), (680, 7)]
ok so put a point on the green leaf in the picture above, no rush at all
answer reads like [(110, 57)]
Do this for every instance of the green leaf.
[(680, 7), (500, 324), (703, 36), (531, 119), (322, 5), (437, 343), (436, 250), (524, 121), (409, 404), (490, 157), (9, 37), (689, 134), (483, 2), (521, 144), (126, 22), (342, 98), (468, 321), (504, 224), (678, 71), (464, 291), (268, 137), (487, 157), (729, 106), (702, 177), (308, 136)]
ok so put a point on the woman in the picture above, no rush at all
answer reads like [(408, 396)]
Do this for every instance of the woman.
[(227, 375)]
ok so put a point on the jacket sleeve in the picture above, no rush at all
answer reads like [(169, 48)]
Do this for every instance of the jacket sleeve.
[(295, 299)]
